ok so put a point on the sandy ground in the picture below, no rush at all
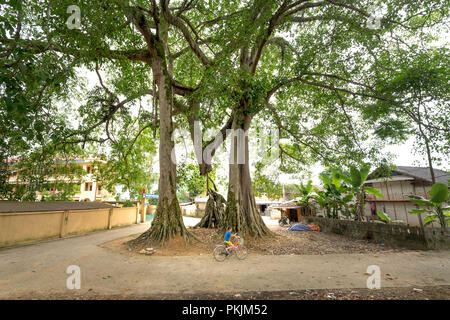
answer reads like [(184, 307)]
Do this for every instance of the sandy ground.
[(284, 242), (394, 293), (39, 271)]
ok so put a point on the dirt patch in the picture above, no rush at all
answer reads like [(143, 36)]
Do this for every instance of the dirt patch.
[(403, 293), (284, 242), (176, 247), (308, 242)]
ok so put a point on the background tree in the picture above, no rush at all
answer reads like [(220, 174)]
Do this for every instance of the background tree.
[(191, 181), (120, 38), (419, 84), (129, 162)]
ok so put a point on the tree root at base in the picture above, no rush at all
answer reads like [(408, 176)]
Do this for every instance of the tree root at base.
[(167, 224), (214, 211)]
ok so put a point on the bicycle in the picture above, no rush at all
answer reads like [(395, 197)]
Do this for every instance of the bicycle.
[(220, 253)]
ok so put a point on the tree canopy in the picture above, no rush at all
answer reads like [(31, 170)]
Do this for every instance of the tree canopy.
[(322, 72)]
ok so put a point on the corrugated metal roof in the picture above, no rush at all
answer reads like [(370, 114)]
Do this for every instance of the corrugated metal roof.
[(424, 173), (287, 205), (15, 206), (420, 173), (393, 178)]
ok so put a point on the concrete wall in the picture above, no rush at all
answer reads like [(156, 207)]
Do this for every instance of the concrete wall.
[(192, 210), (393, 234), (275, 214), (201, 206), (27, 227)]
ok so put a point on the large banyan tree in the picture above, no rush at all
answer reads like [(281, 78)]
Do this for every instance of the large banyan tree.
[(308, 67)]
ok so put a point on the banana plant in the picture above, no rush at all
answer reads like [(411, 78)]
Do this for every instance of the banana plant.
[(305, 195), (336, 196), (439, 195), (356, 179), (305, 192)]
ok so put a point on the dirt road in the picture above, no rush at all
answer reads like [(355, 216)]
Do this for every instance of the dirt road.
[(40, 270)]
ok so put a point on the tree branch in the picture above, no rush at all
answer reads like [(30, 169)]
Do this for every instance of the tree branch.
[(178, 23)]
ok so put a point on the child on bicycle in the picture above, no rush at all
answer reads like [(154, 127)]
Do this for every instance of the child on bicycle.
[(227, 241)]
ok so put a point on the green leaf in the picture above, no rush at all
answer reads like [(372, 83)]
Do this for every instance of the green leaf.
[(419, 211), (355, 176), (365, 169), (439, 193), (336, 178), (430, 218), (374, 191), (384, 216), (420, 200), (309, 187), (348, 198)]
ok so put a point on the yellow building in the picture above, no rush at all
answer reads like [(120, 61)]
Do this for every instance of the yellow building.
[(91, 190), (88, 188)]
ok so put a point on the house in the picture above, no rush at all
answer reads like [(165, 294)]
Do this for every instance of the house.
[(263, 204), (195, 208), (200, 203), (395, 186), (293, 210), (198, 207)]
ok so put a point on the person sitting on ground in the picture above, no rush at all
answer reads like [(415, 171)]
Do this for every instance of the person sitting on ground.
[(227, 241)]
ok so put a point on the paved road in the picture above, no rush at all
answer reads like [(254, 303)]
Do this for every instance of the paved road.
[(41, 269)]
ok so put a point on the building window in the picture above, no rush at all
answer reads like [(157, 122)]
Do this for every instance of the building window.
[(88, 186), (88, 169)]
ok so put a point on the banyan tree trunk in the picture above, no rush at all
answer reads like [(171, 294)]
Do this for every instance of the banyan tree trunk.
[(168, 221), (214, 211), (241, 212)]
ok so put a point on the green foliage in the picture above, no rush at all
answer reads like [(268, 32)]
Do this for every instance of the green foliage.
[(415, 87), (128, 204), (306, 195), (190, 181), (315, 70), (305, 192), (336, 195), (373, 191), (265, 185), (385, 218), (439, 195), (51, 173), (340, 189), (129, 162)]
